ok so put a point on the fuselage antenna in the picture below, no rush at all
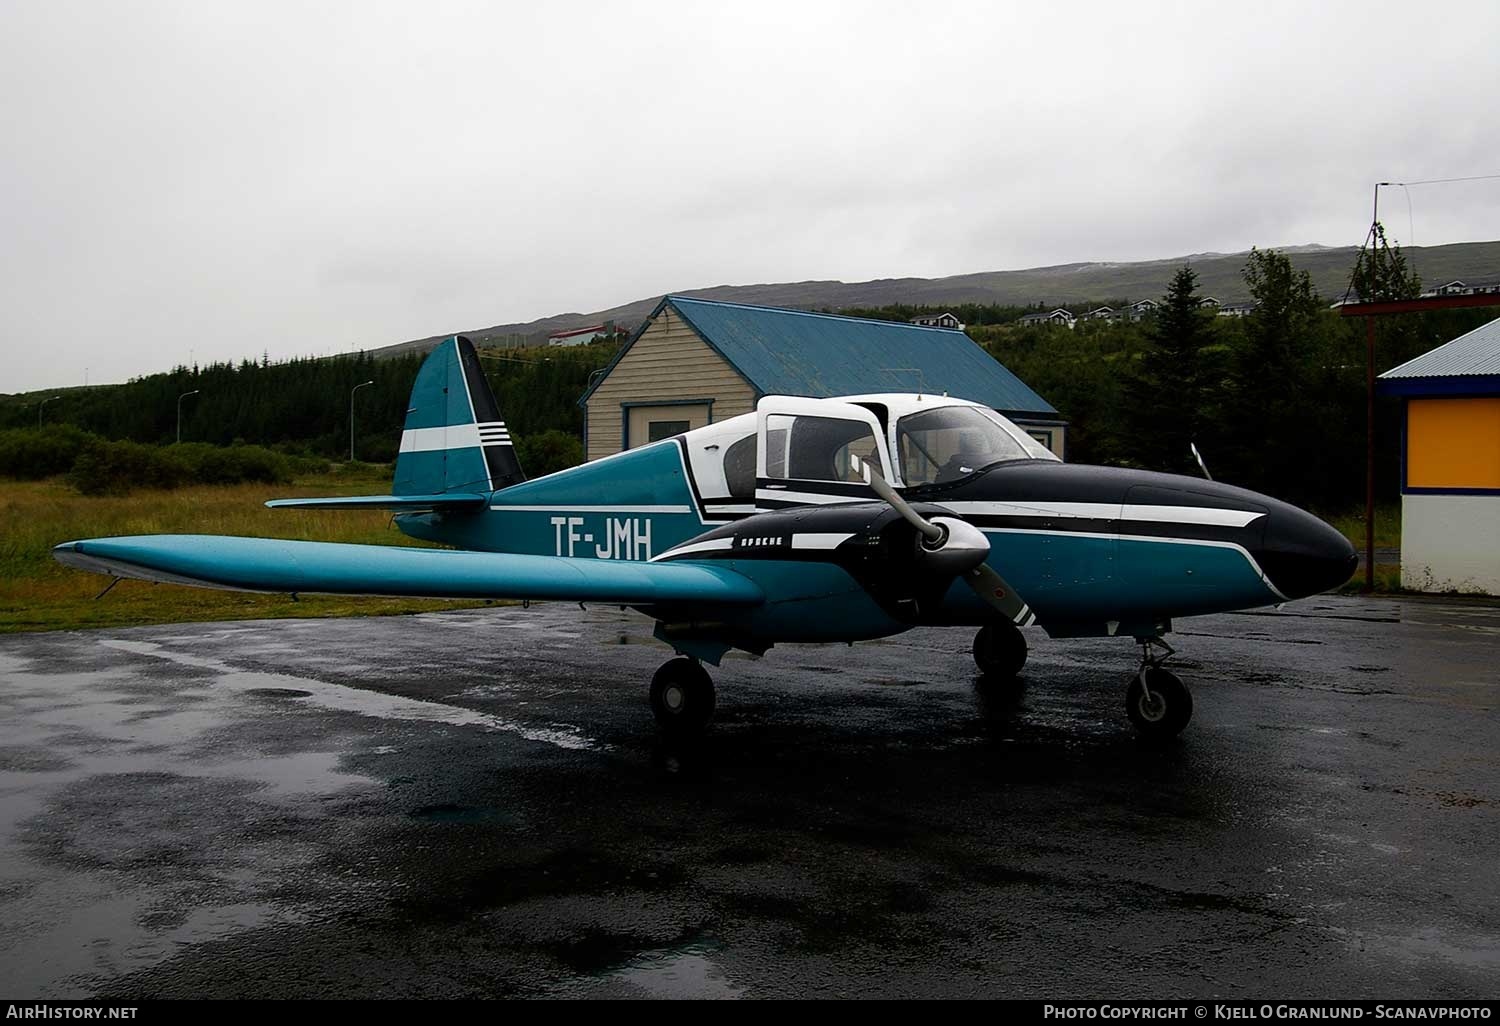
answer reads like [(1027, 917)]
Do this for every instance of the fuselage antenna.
[(1201, 465)]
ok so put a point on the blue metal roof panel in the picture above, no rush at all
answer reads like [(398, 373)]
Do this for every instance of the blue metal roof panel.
[(796, 352), (1475, 353)]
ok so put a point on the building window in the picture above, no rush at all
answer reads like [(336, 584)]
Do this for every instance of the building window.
[(659, 429)]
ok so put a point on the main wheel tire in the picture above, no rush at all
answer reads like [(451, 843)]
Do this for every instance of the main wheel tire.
[(1166, 711), (682, 697), (1000, 650)]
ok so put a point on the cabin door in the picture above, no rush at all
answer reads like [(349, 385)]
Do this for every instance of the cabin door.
[(808, 451)]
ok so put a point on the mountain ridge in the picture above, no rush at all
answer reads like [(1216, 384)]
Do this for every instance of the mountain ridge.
[(1051, 285)]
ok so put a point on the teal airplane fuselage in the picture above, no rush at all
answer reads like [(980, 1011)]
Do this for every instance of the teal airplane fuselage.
[(643, 503), (809, 520)]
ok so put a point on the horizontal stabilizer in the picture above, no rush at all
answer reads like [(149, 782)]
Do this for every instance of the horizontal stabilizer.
[(406, 503), (269, 564)]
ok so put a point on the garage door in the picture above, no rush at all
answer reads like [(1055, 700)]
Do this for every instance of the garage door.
[(653, 423)]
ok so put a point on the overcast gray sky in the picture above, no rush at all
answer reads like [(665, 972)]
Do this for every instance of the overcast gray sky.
[(229, 178)]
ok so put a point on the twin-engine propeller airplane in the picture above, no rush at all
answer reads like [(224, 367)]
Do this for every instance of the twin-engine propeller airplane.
[(809, 520)]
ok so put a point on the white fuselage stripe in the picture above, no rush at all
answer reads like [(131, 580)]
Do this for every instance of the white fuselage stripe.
[(1135, 513), (435, 439), (1111, 511), (811, 498), (710, 545), (817, 540)]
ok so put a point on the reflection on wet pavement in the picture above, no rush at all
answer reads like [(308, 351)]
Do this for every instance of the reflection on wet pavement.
[(477, 803)]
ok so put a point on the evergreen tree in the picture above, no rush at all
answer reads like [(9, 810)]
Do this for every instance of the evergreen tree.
[(1272, 407), (1172, 388)]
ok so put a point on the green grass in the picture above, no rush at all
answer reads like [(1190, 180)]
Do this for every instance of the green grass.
[(1387, 536), (1387, 526), (37, 593)]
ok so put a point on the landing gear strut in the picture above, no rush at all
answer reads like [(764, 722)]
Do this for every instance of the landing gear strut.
[(1157, 701), (1000, 650), (682, 697)]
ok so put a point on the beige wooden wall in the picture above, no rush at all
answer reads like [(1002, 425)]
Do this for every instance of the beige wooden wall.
[(669, 361)]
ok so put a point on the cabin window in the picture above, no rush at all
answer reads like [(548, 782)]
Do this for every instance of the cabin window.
[(819, 448), (739, 468)]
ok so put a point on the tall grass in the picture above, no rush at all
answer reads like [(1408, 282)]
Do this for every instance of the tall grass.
[(1387, 526), (36, 592)]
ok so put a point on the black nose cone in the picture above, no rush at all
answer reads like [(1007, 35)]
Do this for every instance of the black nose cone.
[(1302, 555)]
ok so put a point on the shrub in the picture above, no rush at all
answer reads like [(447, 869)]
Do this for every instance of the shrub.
[(31, 454), (549, 452), (211, 464), (115, 468)]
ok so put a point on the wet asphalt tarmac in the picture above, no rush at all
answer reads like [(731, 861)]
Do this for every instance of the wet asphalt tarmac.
[(477, 804)]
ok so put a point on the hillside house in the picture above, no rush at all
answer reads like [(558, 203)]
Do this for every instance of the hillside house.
[(1059, 317), (580, 336), (942, 320)]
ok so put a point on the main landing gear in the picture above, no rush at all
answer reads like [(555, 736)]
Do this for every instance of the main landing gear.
[(682, 697), (1157, 701), (1000, 650)]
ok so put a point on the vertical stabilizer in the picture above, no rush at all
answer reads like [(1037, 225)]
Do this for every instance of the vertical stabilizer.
[(454, 439)]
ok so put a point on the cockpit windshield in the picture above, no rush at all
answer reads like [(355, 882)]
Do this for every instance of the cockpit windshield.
[(951, 442)]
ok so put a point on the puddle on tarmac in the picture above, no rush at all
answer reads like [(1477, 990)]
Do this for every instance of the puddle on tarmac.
[(341, 698), (66, 954), (685, 972)]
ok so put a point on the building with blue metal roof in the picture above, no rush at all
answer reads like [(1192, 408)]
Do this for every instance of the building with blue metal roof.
[(694, 362), (1450, 463)]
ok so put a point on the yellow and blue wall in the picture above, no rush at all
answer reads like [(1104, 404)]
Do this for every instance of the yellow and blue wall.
[(1450, 483)]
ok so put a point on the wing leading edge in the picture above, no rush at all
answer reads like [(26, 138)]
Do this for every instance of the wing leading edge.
[(272, 565)]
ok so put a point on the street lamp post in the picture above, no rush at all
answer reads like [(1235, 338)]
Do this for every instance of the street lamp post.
[(179, 412), (356, 388), (39, 406)]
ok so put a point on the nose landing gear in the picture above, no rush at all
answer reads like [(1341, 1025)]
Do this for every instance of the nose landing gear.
[(1157, 701), (1000, 650), (682, 697)]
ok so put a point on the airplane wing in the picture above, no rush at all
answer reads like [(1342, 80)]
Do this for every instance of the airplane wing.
[(400, 503), (272, 565)]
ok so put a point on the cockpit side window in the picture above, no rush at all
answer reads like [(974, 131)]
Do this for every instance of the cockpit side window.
[(739, 468)]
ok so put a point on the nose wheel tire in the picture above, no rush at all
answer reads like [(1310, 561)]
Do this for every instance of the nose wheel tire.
[(1158, 703), (682, 697), (1000, 650)]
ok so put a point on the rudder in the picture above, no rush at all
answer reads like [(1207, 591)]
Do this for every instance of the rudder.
[(454, 439)]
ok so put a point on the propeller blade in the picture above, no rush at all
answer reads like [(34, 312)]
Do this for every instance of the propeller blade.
[(987, 584), (932, 532), (1001, 597)]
